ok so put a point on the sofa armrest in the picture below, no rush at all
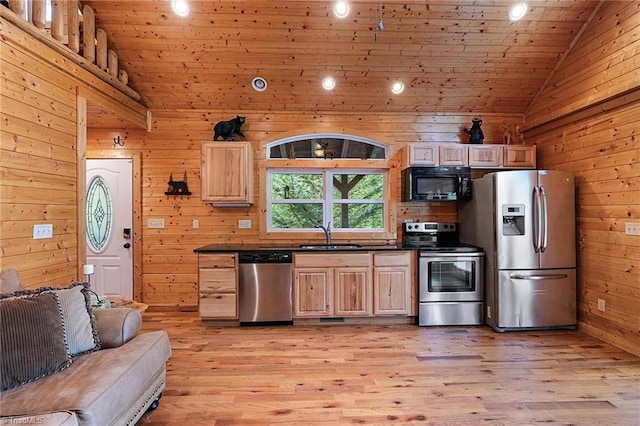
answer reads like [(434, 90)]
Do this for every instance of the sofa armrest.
[(116, 326)]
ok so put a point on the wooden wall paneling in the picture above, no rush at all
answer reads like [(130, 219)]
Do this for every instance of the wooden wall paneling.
[(604, 153), (42, 165), (591, 75)]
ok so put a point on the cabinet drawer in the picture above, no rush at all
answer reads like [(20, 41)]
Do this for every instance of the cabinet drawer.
[(331, 260), (217, 280), (392, 259), (217, 260), (218, 306)]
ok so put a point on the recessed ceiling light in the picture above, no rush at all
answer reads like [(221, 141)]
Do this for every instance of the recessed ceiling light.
[(518, 11), (341, 9), (397, 87), (259, 84), (328, 83), (180, 7)]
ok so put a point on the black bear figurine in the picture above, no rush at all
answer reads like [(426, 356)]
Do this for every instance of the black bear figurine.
[(475, 132), (227, 129), (178, 187)]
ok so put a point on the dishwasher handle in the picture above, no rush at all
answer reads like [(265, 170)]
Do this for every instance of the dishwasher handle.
[(265, 257)]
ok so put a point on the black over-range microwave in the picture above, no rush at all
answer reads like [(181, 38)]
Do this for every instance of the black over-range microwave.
[(436, 183)]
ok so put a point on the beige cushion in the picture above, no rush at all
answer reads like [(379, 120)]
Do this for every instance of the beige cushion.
[(80, 326), (10, 281), (32, 339), (116, 326)]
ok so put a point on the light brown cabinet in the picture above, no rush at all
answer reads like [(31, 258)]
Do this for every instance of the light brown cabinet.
[(427, 154), (392, 283), (485, 156), (218, 286), (332, 285), (227, 173), (520, 156)]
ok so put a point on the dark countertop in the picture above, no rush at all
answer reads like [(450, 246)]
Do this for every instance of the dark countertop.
[(236, 248)]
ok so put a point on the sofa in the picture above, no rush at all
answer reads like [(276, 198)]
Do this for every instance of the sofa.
[(66, 363)]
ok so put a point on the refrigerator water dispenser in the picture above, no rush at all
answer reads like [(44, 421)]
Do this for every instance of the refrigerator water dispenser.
[(513, 219)]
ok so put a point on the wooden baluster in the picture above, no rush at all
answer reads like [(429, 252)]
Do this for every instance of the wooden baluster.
[(101, 49), (38, 13), (17, 6), (112, 60), (89, 33), (57, 19), (73, 26), (123, 77)]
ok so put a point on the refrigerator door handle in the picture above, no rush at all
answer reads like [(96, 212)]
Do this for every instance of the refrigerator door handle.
[(537, 220), (544, 220), (538, 277)]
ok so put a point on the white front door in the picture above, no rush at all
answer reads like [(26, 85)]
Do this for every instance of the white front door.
[(109, 219)]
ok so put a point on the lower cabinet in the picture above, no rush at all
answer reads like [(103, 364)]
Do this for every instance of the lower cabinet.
[(352, 284), (217, 286), (392, 277)]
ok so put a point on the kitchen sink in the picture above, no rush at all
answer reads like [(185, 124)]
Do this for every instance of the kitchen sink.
[(329, 246)]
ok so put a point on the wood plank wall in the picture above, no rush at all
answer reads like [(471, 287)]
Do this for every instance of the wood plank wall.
[(173, 147), (39, 151), (586, 121)]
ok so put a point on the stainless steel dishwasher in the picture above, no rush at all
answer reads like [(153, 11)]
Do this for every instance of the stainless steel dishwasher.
[(265, 278)]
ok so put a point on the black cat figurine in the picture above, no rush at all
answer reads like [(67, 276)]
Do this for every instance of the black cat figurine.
[(227, 129), (475, 132)]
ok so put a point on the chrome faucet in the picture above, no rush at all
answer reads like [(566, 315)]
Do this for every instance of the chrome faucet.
[(327, 231)]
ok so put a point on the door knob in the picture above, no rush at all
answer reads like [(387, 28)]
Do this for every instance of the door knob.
[(126, 245)]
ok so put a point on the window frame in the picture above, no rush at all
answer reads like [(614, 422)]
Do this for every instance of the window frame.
[(327, 201)]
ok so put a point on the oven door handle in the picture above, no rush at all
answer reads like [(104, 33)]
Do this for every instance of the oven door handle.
[(538, 277)]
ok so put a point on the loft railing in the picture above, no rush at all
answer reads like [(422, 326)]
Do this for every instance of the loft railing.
[(71, 31)]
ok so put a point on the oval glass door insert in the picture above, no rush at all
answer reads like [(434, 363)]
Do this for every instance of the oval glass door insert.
[(99, 214)]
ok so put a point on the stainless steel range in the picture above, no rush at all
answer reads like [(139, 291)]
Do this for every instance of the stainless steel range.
[(450, 275)]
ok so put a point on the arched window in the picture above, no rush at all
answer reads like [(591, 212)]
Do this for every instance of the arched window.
[(302, 195), (327, 146)]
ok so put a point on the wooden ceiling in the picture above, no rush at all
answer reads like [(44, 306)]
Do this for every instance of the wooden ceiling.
[(453, 56)]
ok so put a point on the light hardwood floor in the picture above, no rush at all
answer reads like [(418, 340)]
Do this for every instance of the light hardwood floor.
[(400, 374)]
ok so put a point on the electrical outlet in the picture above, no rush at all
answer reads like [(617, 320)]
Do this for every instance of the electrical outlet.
[(244, 224), (631, 228), (155, 223), (42, 231), (601, 305), (195, 224)]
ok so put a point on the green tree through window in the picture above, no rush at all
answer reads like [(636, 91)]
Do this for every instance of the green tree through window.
[(351, 200)]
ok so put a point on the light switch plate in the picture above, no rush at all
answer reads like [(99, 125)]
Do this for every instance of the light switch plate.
[(195, 224), (155, 223), (244, 224), (42, 231)]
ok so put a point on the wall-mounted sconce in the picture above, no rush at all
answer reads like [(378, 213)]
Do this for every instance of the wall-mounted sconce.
[(117, 141)]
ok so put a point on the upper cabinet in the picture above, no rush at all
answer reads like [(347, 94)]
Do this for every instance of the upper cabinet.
[(435, 154), (485, 156), (520, 156), (227, 173)]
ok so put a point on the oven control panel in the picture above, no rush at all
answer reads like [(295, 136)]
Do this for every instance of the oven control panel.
[(429, 227)]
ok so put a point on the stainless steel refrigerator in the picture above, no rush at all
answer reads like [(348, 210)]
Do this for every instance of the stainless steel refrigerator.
[(525, 221)]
